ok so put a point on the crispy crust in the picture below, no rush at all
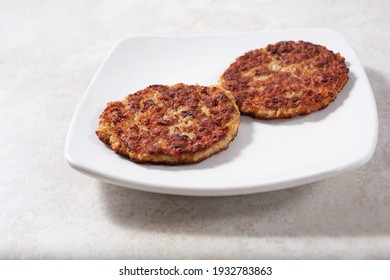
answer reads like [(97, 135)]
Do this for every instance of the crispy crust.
[(170, 124), (285, 79)]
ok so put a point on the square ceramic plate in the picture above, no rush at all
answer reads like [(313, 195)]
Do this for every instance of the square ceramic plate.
[(265, 155)]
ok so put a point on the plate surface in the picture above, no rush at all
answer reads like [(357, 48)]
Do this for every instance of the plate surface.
[(265, 155)]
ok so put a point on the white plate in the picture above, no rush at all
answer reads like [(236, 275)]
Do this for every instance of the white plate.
[(266, 155)]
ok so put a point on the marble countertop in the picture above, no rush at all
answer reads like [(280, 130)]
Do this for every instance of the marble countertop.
[(50, 50)]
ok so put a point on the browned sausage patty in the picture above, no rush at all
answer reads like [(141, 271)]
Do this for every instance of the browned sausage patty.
[(170, 124), (285, 79)]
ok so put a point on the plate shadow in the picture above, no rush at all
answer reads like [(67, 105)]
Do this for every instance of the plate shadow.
[(327, 208)]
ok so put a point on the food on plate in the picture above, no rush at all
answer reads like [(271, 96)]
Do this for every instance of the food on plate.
[(170, 124), (285, 79)]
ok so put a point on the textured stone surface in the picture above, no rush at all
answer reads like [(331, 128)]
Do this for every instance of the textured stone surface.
[(49, 52)]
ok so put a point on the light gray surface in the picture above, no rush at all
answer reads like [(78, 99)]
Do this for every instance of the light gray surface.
[(49, 52)]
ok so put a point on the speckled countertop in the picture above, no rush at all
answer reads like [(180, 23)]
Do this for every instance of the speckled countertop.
[(49, 52)]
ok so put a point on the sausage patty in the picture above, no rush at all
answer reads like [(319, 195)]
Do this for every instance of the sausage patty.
[(170, 124), (285, 79)]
